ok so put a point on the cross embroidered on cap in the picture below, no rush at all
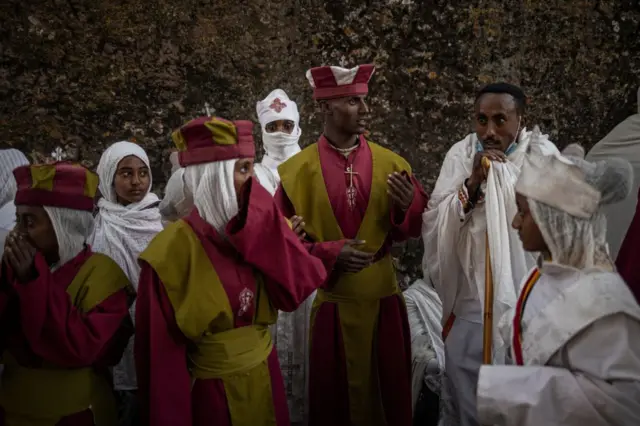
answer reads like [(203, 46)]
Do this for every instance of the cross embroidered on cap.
[(335, 82), (211, 139), (60, 184)]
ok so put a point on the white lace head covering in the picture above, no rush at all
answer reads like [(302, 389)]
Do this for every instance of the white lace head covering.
[(213, 191), (279, 146), (72, 228), (565, 201)]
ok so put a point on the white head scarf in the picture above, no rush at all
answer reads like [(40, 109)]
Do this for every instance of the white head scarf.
[(279, 146), (178, 200), (72, 228), (123, 232), (213, 191), (10, 159), (574, 237)]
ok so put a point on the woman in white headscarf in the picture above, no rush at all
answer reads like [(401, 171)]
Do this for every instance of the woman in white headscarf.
[(9, 160), (127, 220), (574, 335)]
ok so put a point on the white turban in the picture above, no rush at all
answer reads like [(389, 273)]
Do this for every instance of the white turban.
[(279, 146)]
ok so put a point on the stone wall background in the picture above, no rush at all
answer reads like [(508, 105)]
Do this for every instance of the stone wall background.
[(80, 74)]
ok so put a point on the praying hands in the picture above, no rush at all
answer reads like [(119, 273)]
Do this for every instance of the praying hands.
[(20, 255), (400, 190)]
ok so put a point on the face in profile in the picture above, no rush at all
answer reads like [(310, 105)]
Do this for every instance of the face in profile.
[(132, 180), (497, 120), (348, 115), (280, 126), (34, 223), (527, 228), (242, 171)]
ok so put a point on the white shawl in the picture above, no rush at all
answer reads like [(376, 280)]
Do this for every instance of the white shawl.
[(123, 232), (455, 244)]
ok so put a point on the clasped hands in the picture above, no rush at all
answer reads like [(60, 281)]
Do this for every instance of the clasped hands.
[(20, 255)]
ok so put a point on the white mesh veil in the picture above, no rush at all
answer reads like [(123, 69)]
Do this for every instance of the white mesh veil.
[(72, 228), (213, 191), (577, 242)]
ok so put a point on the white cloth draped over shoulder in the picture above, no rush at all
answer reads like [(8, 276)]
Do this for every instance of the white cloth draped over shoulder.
[(455, 242), (581, 353), (424, 310), (122, 233), (278, 146), (622, 142)]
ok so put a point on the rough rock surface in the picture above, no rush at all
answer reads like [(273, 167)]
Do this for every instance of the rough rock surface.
[(79, 75)]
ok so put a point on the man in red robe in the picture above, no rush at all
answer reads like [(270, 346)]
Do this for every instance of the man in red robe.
[(210, 286), (356, 198), (628, 260), (63, 308)]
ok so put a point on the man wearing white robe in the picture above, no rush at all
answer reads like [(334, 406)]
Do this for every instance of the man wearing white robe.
[(468, 205), (575, 329)]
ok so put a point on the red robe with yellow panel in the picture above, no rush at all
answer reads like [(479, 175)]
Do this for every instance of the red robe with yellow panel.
[(360, 362), (205, 300), (62, 330)]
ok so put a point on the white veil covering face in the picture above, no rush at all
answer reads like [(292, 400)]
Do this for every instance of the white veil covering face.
[(213, 190), (72, 228), (279, 146)]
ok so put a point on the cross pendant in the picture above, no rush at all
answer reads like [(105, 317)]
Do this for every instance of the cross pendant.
[(351, 189)]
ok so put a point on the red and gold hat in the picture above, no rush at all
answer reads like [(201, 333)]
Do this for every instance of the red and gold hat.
[(337, 82), (57, 185), (210, 139)]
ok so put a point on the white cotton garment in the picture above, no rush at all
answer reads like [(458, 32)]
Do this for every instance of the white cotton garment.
[(455, 249), (622, 142), (122, 233), (581, 354), (213, 191), (10, 159), (279, 146), (424, 310)]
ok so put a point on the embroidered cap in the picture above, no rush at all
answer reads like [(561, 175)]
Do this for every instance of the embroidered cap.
[(211, 139), (335, 82), (60, 184)]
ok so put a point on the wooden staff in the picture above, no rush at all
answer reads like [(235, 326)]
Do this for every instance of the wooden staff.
[(487, 333)]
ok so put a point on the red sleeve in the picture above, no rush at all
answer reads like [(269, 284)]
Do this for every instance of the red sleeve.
[(284, 204), (291, 273), (57, 331), (328, 251), (409, 224), (164, 383)]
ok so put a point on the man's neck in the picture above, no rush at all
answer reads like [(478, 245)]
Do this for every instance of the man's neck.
[(340, 140)]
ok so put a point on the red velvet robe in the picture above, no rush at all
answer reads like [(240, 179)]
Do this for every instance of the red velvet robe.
[(42, 327), (258, 239), (328, 394), (628, 261)]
